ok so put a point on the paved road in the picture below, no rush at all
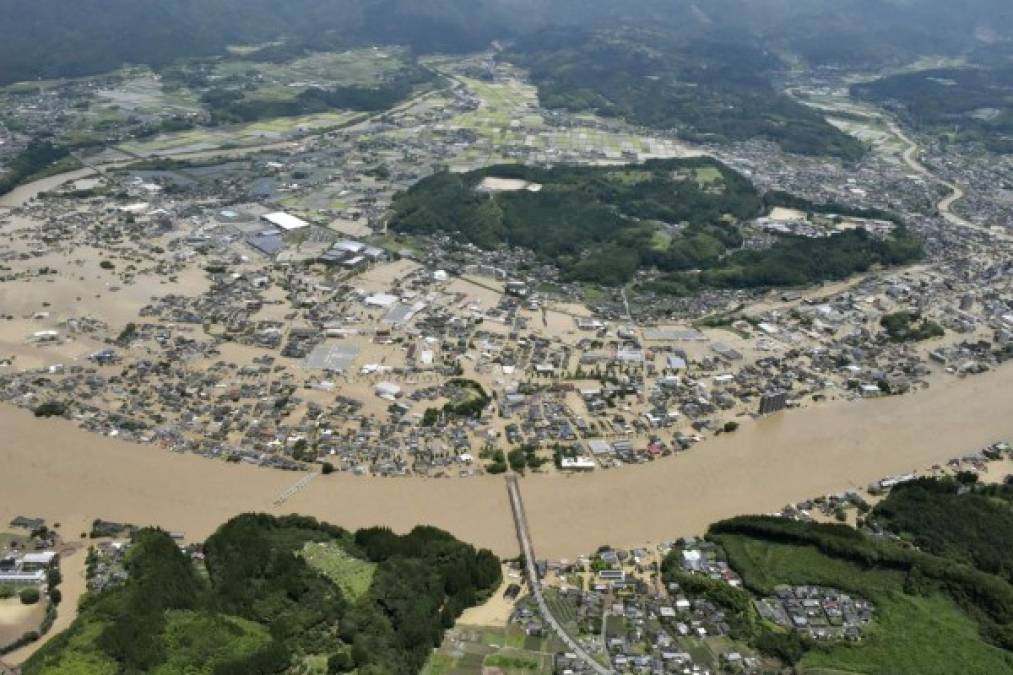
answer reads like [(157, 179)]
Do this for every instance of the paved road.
[(945, 206), (535, 584), (626, 305)]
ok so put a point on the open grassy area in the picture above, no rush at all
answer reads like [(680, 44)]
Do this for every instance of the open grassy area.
[(630, 177), (352, 575), (594, 294), (706, 175), (764, 565), (312, 665), (910, 634), (8, 538), (661, 240)]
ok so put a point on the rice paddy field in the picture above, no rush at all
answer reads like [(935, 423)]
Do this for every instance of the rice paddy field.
[(509, 116), (136, 92), (238, 136), (360, 67), (469, 650)]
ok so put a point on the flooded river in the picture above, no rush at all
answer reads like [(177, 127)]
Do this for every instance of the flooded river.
[(50, 468), (20, 196)]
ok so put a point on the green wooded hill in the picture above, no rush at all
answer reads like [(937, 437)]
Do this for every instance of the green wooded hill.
[(595, 223), (968, 522), (970, 104), (603, 224), (707, 89), (943, 607), (269, 599)]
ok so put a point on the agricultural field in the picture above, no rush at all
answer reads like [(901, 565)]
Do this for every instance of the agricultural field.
[(510, 116), (468, 650), (357, 67), (858, 119), (352, 575), (361, 67), (239, 136), (564, 609)]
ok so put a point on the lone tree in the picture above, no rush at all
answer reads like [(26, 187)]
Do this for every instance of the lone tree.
[(29, 596)]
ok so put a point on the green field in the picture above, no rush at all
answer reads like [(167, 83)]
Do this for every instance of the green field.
[(8, 538), (706, 175), (362, 67), (240, 135), (352, 575), (632, 177), (564, 609), (911, 634), (661, 240), (466, 651)]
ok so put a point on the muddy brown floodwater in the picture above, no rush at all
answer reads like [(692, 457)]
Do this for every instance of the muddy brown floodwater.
[(19, 196), (50, 468)]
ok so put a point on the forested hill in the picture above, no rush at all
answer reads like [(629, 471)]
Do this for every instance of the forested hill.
[(603, 224), (56, 38), (707, 90), (59, 38), (971, 103), (595, 223), (938, 576), (274, 595)]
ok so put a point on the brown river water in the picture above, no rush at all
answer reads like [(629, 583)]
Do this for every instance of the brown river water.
[(50, 468)]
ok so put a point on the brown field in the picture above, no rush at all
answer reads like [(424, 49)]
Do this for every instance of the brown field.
[(17, 619)]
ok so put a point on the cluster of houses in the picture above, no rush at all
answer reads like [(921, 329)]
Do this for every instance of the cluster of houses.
[(617, 606), (818, 612), (359, 357)]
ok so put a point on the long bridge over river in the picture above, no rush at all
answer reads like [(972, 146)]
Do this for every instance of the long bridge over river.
[(535, 584)]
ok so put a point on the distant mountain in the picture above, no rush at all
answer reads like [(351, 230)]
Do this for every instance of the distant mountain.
[(76, 37), (60, 38)]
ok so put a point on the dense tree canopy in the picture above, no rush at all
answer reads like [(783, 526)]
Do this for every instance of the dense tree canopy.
[(708, 90), (969, 523), (974, 103), (596, 223), (59, 38), (262, 607), (39, 156), (603, 224)]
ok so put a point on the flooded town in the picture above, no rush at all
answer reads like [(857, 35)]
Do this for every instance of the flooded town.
[(201, 319), (257, 310)]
